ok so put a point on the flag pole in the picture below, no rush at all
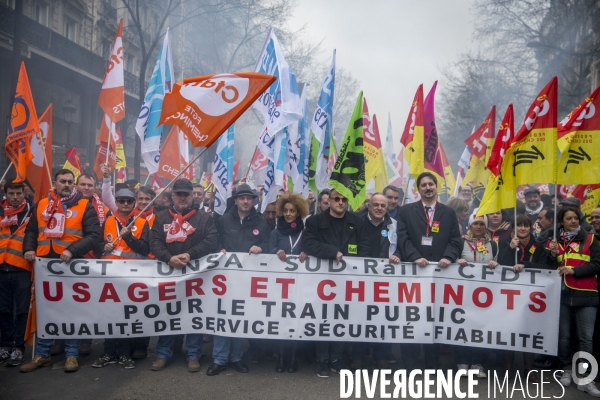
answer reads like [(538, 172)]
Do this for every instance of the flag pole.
[(515, 232), (6, 172), (146, 181), (250, 163), (165, 188), (555, 208), (46, 161), (108, 136)]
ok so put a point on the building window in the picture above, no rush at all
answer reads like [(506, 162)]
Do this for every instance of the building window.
[(8, 3), (42, 11), (71, 29), (130, 64)]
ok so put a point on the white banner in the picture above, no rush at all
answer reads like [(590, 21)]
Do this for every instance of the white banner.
[(259, 296)]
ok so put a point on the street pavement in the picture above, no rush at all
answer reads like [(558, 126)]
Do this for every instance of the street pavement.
[(174, 382)]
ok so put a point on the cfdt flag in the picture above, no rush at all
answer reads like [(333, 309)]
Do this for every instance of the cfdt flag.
[(23, 124), (38, 171), (147, 126), (413, 135), (498, 194), (431, 155), (112, 94), (204, 107), (222, 174), (580, 157), (275, 177), (394, 177), (348, 175), (532, 156), (280, 104)]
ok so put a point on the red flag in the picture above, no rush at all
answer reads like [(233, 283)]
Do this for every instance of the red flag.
[(72, 163), (23, 124), (38, 171), (413, 136), (505, 137), (479, 139), (236, 168), (112, 94), (107, 133), (204, 107), (433, 161)]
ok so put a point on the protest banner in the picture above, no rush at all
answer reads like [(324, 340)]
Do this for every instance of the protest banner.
[(259, 296)]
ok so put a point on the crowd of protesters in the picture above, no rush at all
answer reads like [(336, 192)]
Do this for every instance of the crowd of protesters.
[(83, 218)]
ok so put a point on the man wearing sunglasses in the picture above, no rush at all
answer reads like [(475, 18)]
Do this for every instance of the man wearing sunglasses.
[(122, 243), (334, 234), (427, 233), (181, 233), (63, 225)]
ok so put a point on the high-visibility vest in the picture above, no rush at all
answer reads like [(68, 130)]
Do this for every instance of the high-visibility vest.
[(73, 228), (122, 251), (150, 220), (11, 247), (574, 257)]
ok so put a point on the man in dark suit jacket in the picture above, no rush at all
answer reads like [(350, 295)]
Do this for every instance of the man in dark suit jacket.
[(334, 234), (427, 232)]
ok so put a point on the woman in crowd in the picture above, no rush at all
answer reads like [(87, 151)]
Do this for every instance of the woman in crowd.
[(477, 248), (578, 256), (461, 207), (285, 240), (522, 251), (498, 227)]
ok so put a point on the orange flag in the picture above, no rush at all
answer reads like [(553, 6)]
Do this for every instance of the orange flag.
[(38, 171), (107, 133), (112, 94), (204, 107), (31, 326), (171, 160), (23, 124), (73, 163)]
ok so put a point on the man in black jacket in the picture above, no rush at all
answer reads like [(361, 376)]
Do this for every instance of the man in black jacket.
[(181, 233), (381, 229), (334, 234), (240, 230), (427, 233)]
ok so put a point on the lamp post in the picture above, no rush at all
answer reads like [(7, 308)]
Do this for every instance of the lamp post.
[(69, 109)]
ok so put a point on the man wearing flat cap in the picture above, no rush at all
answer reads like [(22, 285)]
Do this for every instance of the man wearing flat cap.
[(533, 203), (179, 234), (242, 230)]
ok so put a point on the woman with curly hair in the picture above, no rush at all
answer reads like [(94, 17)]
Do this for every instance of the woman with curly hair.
[(285, 240)]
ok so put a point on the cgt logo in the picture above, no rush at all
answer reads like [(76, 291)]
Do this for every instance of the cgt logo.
[(218, 94)]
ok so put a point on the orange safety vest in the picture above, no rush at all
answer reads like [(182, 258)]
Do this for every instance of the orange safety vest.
[(73, 228), (122, 251), (572, 257), (11, 247), (150, 220)]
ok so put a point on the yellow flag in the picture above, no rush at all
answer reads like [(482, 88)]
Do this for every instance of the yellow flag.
[(374, 158), (532, 156), (413, 136), (579, 143)]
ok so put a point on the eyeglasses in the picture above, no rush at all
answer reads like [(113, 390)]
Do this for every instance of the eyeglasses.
[(125, 201), (66, 182), (181, 194), (338, 199)]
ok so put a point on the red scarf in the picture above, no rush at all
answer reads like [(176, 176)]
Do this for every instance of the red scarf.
[(54, 215), (10, 213), (180, 228), (146, 214), (124, 221), (99, 207)]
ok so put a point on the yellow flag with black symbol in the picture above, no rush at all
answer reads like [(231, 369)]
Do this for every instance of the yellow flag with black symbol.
[(532, 156), (579, 143), (348, 175)]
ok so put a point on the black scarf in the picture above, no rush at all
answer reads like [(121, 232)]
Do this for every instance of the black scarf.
[(290, 229)]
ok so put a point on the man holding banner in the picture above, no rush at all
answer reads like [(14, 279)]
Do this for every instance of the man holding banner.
[(179, 234), (64, 225), (334, 234), (427, 233)]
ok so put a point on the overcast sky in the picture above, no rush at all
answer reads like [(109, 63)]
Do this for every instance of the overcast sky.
[(390, 46)]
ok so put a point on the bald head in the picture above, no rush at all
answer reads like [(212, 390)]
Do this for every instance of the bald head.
[(377, 207)]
